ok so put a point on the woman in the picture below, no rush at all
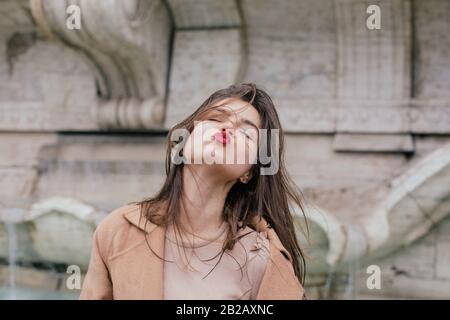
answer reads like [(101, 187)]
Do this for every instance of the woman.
[(221, 227)]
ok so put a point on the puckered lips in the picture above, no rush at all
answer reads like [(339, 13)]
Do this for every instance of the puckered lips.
[(222, 137)]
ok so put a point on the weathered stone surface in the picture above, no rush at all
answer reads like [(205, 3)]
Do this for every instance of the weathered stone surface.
[(31, 283), (416, 201), (430, 117), (432, 49), (55, 231), (310, 158), (307, 115), (15, 241), (21, 149), (376, 119), (373, 143), (365, 116), (291, 48), (205, 13), (29, 277), (14, 18), (51, 88), (374, 64), (89, 168), (204, 61), (55, 223), (129, 45), (17, 182), (414, 272)]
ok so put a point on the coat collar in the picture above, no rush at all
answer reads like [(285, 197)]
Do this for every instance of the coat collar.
[(135, 218), (138, 220), (156, 235)]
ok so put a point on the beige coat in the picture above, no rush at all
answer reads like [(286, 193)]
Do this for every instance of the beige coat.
[(122, 266)]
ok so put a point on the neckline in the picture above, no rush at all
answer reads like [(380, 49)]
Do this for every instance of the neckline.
[(187, 241)]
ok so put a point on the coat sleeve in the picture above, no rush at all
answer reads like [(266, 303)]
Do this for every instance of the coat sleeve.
[(97, 283), (279, 281)]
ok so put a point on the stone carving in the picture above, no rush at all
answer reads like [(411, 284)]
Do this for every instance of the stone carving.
[(127, 44), (55, 230), (130, 113), (51, 88), (416, 201)]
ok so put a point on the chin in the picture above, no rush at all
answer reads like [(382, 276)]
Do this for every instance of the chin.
[(229, 172)]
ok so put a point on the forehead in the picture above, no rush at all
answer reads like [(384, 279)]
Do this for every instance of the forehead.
[(240, 109)]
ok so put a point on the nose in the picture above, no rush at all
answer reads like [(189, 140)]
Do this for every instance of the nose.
[(222, 136), (227, 131), (227, 126)]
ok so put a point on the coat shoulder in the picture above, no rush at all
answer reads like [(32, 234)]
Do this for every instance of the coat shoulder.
[(98, 282), (114, 222), (279, 280), (117, 217)]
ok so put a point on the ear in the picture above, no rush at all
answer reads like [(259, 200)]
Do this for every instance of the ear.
[(245, 178)]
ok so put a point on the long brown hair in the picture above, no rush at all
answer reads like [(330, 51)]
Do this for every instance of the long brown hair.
[(269, 196)]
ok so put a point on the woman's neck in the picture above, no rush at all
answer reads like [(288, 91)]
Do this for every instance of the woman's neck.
[(203, 200)]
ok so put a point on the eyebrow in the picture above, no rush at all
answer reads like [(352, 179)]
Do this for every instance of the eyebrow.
[(242, 120), (250, 123)]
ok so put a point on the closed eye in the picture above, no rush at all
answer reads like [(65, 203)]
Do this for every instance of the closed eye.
[(246, 134)]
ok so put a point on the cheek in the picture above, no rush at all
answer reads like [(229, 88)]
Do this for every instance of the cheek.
[(252, 152), (246, 151), (194, 140), (192, 144), (234, 171), (245, 155)]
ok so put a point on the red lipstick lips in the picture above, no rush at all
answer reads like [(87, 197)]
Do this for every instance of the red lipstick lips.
[(223, 137)]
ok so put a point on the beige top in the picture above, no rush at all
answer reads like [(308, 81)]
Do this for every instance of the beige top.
[(235, 275)]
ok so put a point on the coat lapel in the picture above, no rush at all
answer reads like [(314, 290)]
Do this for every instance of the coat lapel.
[(154, 270)]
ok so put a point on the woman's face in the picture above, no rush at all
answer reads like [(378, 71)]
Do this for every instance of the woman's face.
[(226, 139)]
